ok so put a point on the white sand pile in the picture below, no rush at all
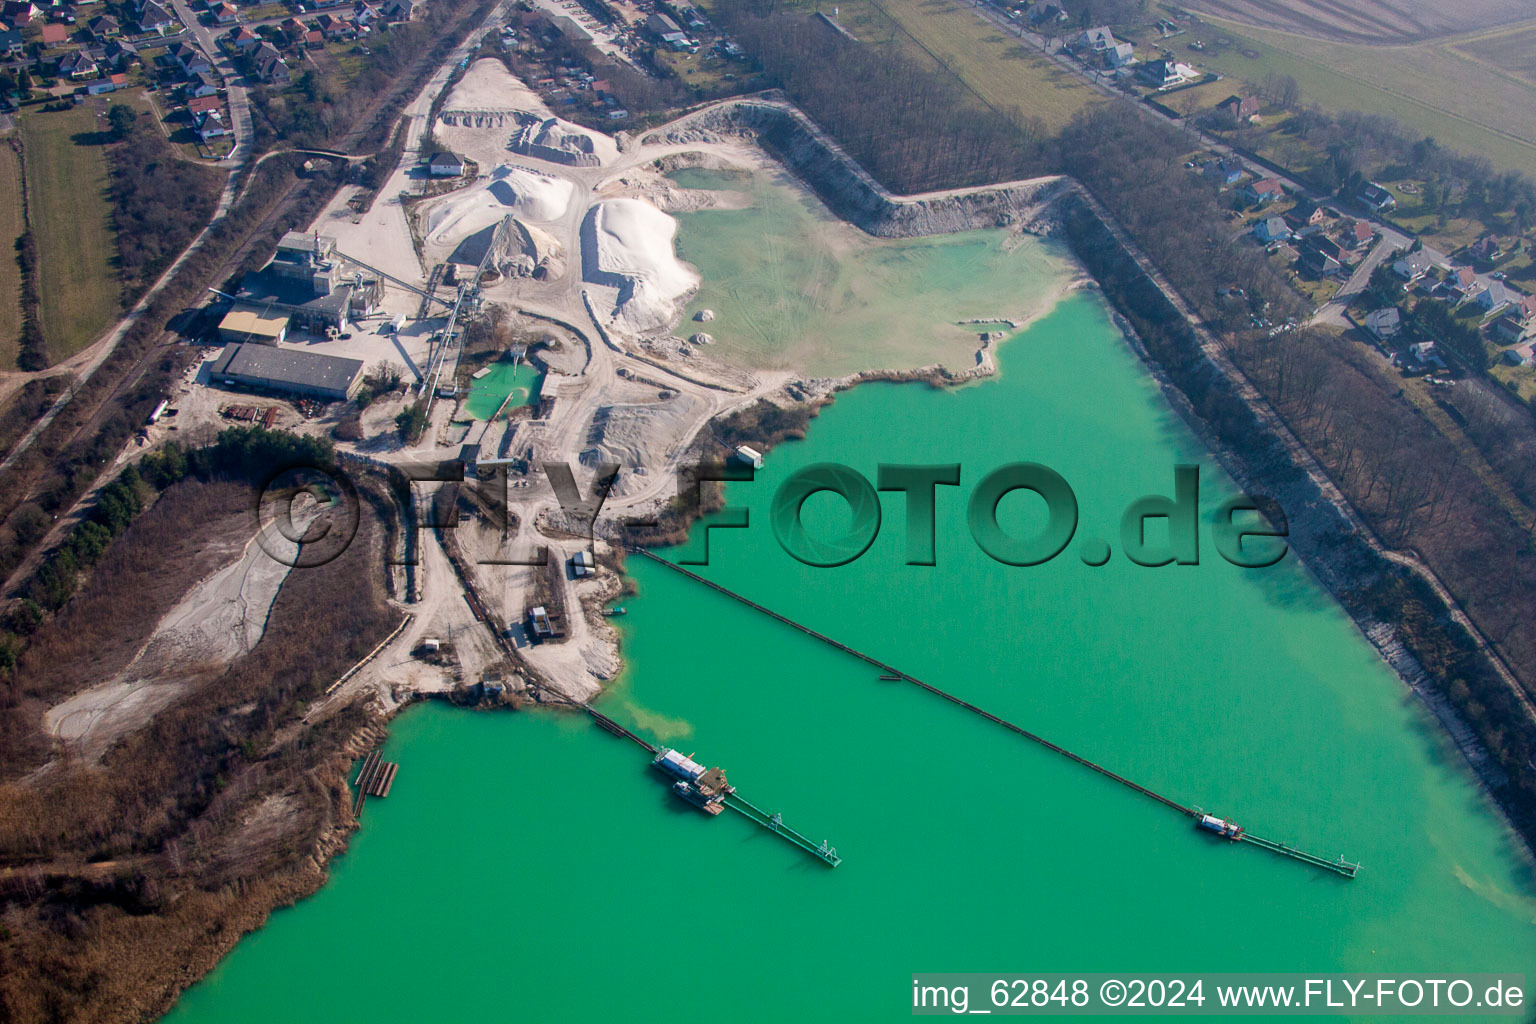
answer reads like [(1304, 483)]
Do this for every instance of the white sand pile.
[(637, 436), (514, 190), (488, 85), (627, 243), (564, 143)]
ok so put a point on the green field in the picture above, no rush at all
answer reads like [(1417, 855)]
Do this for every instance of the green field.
[(67, 199), (1430, 89), (11, 227), (1003, 70)]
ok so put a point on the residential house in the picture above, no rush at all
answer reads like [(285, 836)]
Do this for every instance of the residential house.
[(11, 43), (364, 14), (270, 66), (397, 10), (53, 34), (274, 71), (190, 59), (243, 39), (314, 39), (1225, 172), (1095, 40), (1517, 322), (1319, 263), (1378, 199), (210, 125), (224, 14), (1120, 55), (293, 28), (201, 84), (1239, 108), (200, 105), (1495, 297), (1274, 229), (336, 28), (1160, 74), (1425, 354), (1045, 14), (17, 13), (77, 65), (1265, 190), (444, 164), (1306, 214), (1327, 246), (1461, 282), (153, 18), (1520, 355), (120, 52), (1486, 249), (1412, 266), (1358, 235), (1384, 323), (105, 27), (109, 84)]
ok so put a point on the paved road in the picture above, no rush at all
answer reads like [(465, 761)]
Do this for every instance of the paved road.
[(234, 84)]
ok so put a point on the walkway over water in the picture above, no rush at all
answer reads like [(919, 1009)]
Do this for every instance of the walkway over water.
[(890, 672)]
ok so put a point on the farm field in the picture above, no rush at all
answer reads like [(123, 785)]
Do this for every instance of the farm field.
[(1511, 50), (1003, 70), (68, 204), (11, 227), (1367, 21), (1384, 81)]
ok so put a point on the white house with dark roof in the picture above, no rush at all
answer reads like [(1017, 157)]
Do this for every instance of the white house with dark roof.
[(1496, 296), (1377, 198), (444, 164), (1384, 323), (1272, 229), (1096, 39), (153, 18), (1120, 55)]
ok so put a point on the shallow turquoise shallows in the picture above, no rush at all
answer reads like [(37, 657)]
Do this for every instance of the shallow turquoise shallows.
[(487, 394), (528, 866)]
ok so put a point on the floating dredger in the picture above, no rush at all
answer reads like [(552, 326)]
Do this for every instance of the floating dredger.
[(705, 788)]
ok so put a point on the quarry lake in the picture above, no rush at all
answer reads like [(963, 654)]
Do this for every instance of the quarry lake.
[(530, 866)]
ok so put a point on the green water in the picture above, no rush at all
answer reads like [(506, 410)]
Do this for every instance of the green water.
[(486, 394), (793, 286), (528, 866)]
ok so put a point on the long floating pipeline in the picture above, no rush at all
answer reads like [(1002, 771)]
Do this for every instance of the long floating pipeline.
[(1341, 866)]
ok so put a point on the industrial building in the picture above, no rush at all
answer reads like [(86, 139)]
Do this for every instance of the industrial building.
[(250, 322), (306, 287), (291, 371)]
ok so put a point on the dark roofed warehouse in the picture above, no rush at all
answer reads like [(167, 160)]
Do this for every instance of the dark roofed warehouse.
[(289, 370)]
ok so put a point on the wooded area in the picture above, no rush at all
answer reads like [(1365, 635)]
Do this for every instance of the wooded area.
[(148, 870)]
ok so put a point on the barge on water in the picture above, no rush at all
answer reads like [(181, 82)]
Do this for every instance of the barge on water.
[(705, 788)]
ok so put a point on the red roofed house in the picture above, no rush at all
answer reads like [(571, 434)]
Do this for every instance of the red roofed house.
[(53, 34), (1262, 191), (1361, 233), (202, 104)]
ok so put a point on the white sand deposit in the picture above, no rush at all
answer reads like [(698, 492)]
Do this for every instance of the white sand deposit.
[(488, 85), (627, 244), (220, 619), (509, 190)]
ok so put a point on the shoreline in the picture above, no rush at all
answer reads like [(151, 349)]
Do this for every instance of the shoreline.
[(1034, 207)]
